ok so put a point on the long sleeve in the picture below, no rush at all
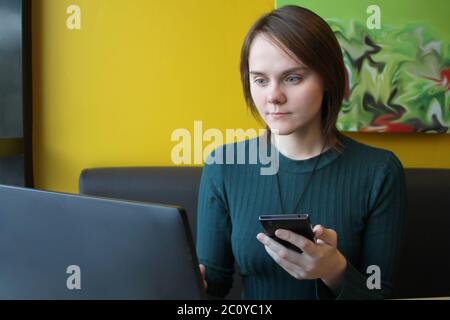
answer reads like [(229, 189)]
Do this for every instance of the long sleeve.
[(381, 240), (214, 231)]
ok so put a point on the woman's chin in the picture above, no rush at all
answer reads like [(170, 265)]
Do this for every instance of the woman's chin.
[(281, 130), (278, 127)]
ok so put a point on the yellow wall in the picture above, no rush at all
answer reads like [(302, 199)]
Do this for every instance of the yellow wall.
[(112, 93)]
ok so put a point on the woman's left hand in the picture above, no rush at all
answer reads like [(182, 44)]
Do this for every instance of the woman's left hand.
[(319, 260)]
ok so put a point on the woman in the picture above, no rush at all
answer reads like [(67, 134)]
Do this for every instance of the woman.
[(293, 78)]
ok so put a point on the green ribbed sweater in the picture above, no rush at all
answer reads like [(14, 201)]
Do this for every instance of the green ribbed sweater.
[(360, 193)]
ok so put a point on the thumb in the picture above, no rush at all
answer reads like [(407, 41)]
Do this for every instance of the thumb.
[(328, 236), (202, 269), (203, 273)]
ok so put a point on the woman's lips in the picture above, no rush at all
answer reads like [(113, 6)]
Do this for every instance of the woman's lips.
[(278, 115)]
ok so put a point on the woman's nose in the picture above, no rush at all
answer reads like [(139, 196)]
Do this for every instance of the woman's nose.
[(276, 96)]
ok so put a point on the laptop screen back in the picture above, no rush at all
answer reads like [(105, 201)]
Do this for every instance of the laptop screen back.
[(62, 246)]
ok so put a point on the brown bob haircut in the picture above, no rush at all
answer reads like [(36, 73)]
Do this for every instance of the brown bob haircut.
[(304, 36)]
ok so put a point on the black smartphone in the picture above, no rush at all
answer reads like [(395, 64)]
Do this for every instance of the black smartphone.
[(298, 223)]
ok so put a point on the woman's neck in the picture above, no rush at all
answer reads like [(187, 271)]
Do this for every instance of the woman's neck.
[(300, 145)]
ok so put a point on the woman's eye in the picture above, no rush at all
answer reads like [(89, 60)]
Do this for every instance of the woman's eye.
[(293, 79), (260, 81)]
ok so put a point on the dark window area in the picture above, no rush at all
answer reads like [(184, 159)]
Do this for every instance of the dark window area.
[(15, 93)]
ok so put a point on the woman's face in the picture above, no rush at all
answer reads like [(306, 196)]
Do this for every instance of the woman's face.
[(287, 94)]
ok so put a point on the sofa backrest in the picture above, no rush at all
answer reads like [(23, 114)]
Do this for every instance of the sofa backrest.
[(424, 269), (166, 185), (425, 258)]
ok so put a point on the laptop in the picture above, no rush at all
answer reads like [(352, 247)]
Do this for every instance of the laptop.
[(65, 246)]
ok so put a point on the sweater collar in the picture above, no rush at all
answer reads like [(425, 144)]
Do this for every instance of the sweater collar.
[(304, 166)]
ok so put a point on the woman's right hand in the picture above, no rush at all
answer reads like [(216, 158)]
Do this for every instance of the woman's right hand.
[(203, 273)]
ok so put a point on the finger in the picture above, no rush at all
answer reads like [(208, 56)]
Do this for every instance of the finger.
[(202, 270), (328, 236), (268, 241), (291, 268), (203, 274), (318, 231), (297, 240), (282, 252)]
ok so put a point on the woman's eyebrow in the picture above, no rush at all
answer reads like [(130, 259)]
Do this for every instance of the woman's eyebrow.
[(259, 73)]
